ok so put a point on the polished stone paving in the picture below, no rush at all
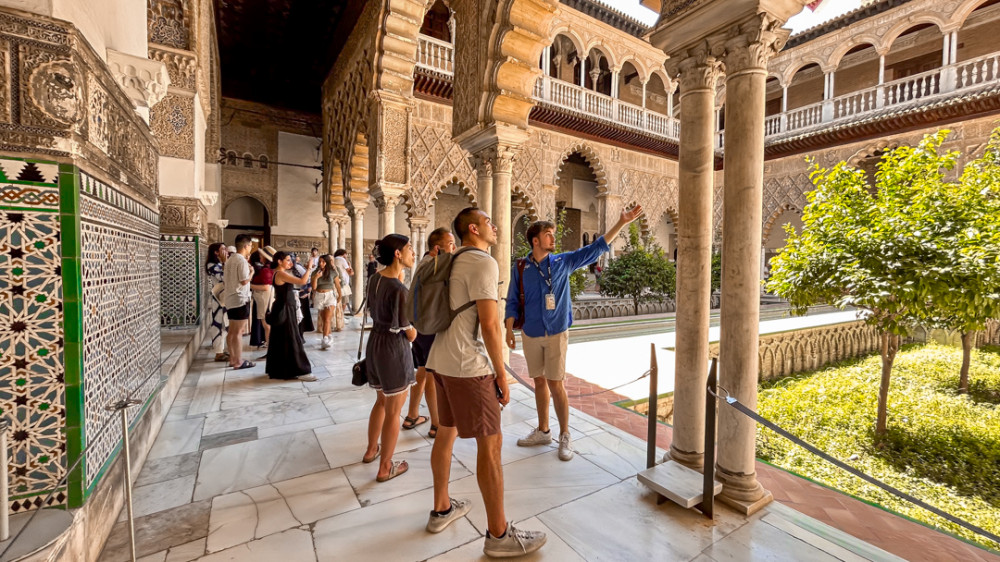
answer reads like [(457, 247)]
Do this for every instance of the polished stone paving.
[(251, 469)]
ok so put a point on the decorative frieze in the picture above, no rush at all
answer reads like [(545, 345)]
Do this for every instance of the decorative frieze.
[(297, 244), (58, 97), (180, 65), (183, 215)]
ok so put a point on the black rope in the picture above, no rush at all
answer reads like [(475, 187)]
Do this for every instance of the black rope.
[(840, 464), (523, 382)]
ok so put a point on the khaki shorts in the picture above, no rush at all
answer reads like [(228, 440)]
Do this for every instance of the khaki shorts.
[(468, 404), (263, 300), (546, 355)]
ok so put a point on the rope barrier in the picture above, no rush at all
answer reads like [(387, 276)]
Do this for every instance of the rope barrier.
[(734, 403), (523, 382)]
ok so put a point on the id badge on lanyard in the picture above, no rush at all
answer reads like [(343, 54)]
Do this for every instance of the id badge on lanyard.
[(550, 301)]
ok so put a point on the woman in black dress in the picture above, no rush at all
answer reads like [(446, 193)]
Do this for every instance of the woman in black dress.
[(286, 357), (389, 359)]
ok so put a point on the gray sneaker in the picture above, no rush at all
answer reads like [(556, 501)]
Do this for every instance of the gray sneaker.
[(515, 542), (565, 450), (437, 523), (535, 438)]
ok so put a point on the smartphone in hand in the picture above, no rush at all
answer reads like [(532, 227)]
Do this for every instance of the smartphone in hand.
[(496, 386)]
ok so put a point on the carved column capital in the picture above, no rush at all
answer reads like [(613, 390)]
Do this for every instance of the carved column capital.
[(751, 44), (699, 70), (418, 222), (481, 164), (501, 157)]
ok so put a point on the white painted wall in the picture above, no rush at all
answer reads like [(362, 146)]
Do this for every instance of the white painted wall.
[(300, 205), (105, 24), (177, 177)]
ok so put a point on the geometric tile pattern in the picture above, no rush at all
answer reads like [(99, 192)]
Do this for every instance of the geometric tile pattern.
[(120, 257), (179, 280), (32, 393)]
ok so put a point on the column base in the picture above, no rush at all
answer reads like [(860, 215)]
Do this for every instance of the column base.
[(692, 460), (742, 492)]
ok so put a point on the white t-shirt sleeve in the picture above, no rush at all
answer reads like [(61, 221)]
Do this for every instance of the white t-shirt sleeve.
[(483, 285)]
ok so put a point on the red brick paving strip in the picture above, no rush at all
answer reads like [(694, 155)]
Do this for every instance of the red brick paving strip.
[(875, 526)]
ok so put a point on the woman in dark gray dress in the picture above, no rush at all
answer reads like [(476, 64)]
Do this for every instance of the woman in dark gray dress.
[(389, 360)]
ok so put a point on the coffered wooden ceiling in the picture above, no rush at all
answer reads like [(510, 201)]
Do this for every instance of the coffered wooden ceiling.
[(277, 52)]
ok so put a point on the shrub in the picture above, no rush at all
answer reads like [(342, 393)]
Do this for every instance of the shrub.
[(941, 447)]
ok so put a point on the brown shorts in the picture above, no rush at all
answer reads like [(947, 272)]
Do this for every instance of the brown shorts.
[(468, 404)]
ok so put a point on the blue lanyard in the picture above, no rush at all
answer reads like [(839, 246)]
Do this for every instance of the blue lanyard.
[(548, 266)]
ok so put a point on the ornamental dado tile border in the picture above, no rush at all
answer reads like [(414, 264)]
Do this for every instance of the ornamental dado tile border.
[(59, 98), (32, 344), (76, 328)]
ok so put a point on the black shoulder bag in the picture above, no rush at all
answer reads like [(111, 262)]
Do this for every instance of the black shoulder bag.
[(359, 373)]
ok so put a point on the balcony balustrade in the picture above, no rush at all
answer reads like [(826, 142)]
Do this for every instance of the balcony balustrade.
[(940, 83)]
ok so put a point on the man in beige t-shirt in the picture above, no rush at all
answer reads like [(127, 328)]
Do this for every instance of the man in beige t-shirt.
[(471, 389)]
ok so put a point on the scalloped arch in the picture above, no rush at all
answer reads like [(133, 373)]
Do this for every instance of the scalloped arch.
[(592, 157), (771, 220)]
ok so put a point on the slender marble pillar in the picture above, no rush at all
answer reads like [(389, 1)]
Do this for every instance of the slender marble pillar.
[(386, 216), (502, 163), (699, 74), (484, 183), (746, 75), (358, 257)]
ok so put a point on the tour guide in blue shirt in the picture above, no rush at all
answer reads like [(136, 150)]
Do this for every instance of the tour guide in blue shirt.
[(548, 315)]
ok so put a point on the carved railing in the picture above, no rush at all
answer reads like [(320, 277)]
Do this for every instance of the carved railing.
[(785, 353), (434, 54), (947, 81), (592, 309)]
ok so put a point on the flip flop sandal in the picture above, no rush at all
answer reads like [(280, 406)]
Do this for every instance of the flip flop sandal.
[(433, 432), (367, 460), (410, 423), (247, 364), (398, 468)]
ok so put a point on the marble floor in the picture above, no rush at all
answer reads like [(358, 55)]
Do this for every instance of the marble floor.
[(250, 469)]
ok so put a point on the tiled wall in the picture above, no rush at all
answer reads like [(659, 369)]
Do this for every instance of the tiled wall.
[(79, 322), (180, 275)]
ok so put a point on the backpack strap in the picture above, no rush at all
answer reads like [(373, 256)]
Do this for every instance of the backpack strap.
[(470, 304), (521, 264)]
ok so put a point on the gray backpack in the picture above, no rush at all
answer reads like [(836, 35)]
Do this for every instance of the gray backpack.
[(428, 303)]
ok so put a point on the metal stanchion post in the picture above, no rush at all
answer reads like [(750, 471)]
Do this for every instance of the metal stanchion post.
[(4, 492), (711, 405), (122, 407), (652, 419)]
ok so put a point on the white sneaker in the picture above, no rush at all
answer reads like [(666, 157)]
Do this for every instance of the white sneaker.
[(535, 438), (306, 378), (514, 542), (324, 343), (565, 450), (437, 523)]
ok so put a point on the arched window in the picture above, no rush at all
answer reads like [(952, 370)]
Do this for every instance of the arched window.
[(248, 160), (231, 158), (263, 161)]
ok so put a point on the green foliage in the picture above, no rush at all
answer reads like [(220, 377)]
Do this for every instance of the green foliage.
[(716, 271), (941, 447), (521, 247), (919, 250), (640, 272)]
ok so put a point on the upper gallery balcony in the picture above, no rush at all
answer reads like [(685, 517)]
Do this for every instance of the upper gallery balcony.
[(912, 75)]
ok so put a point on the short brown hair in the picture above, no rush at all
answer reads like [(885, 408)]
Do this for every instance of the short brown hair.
[(466, 217), (536, 229), (437, 236)]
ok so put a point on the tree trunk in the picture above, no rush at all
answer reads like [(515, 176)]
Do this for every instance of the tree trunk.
[(635, 304), (963, 379), (890, 345)]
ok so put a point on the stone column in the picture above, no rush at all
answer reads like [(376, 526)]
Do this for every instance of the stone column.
[(501, 159), (358, 256), (698, 75), (746, 57), (334, 236), (386, 215), (484, 183), (329, 234)]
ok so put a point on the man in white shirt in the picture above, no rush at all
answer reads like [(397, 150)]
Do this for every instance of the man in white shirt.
[(472, 388), (236, 297)]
